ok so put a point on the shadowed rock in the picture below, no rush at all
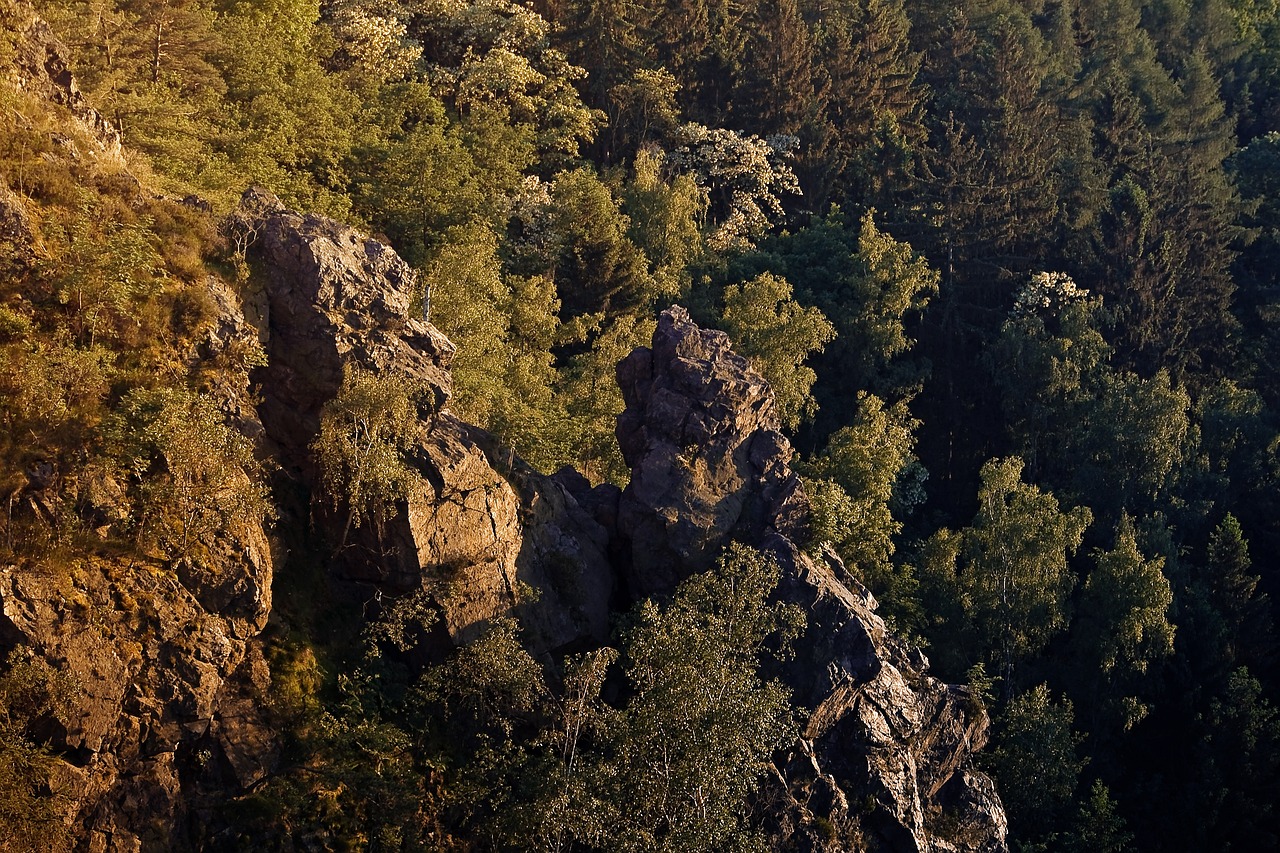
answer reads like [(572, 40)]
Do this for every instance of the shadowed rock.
[(885, 756)]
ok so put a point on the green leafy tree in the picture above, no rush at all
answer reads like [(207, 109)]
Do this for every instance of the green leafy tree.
[(1233, 590), (1014, 573), (1098, 828), (1090, 431), (1244, 744), (539, 759), (1256, 171), (777, 334), (1036, 764), (854, 489), (106, 276), (665, 218), (874, 98), (588, 389), (1123, 626), (745, 179), (496, 57), (598, 269), (775, 90), (195, 476), (424, 175), (700, 731), (288, 123), (505, 328), (872, 288)]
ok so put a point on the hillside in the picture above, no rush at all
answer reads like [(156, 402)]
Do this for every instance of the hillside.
[(465, 425)]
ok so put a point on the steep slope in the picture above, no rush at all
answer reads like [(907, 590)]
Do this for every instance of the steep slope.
[(147, 654)]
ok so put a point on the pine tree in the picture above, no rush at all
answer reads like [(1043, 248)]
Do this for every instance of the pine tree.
[(774, 92)]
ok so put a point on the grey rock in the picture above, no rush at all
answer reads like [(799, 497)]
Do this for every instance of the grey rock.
[(701, 435), (885, 760)]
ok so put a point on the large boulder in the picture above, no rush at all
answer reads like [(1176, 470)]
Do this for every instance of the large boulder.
[(885, 755)]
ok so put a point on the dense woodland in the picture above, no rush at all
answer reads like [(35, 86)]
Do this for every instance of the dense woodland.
[(1010, 266)]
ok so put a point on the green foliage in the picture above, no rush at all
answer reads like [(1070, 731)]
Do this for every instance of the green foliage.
[(31, 693), (104, 277), (1035, 762), (194, 476), (853, 485), (589, 392), (1140, 596), (1099, 828), (1090, 431), (364, 431), (541, 760), (701, 705), (349, 778), (425, 174), (597, 268), (769, 327), (495, 56), (665, 219), (1009, 568), (1233, 591), (1123, 626), (1244, 738), (892, 283), (872, 288), (745, 179)]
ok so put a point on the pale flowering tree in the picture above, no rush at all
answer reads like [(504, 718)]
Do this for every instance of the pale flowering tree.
[(495, 54), (1048, 291), (744, 178), (374, 36)]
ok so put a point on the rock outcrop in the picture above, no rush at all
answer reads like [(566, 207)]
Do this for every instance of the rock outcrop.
[(479, 530), (701, 435), (42, 68), (158, 649), (165, 651), (152, 647), (884, 761)]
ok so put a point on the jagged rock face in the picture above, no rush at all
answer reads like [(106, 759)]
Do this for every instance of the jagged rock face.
[(332, 297), (41, 67), (476, 537), (701, 435), (152, 648), (884, 761)]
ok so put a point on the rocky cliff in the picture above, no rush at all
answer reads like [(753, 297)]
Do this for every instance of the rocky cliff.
[(885, 760), (160, 650), (171, 716), (478, 529)]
